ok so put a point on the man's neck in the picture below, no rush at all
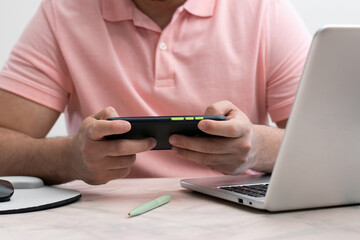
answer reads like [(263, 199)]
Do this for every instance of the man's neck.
[(160, 11)]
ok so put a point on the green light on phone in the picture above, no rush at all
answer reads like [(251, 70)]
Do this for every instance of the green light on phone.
[(177, 118)]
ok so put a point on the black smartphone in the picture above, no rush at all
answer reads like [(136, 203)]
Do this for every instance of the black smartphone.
[(161, 127)]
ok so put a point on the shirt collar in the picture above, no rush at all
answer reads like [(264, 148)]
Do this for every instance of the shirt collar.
[(115, 10), (200, 8)]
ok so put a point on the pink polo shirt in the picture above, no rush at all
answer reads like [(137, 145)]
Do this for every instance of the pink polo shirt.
[(81, 56)]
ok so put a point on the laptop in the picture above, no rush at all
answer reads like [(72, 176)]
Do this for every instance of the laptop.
[(318, 164)]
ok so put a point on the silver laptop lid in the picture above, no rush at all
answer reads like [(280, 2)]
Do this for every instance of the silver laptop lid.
[(319, 159)]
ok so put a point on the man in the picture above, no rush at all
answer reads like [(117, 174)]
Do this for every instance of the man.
[(241, 59)]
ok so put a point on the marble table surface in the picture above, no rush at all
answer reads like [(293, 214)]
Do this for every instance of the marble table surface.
[(102, 214)]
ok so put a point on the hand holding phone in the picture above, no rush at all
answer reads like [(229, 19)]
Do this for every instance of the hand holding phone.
[(161, 127)]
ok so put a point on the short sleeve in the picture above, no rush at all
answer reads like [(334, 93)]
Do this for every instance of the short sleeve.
[(287, 48), (36, 69)]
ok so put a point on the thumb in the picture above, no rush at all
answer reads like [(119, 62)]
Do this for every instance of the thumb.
[(106, 113)]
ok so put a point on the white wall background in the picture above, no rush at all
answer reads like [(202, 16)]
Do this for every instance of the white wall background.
[(14, 15)]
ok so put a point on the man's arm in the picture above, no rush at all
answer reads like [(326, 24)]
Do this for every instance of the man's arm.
[(238, 145), (23, 126), (266, 146), (25, 150)]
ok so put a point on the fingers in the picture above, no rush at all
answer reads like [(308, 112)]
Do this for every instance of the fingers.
[(235, 127), (123, 147), (232, 128), (229, 148), (213, 145), (106, 113), (107, 160), (97, 161), (113, 163), (93, 150), (223, 163), (200, 144), (219, 154), (205, 159), (224, 108), (106, 176), (98, 127)]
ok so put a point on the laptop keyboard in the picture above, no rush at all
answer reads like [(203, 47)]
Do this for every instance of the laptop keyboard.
[(256, 190)]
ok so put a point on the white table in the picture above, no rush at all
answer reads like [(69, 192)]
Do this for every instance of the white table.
[(102, 214)]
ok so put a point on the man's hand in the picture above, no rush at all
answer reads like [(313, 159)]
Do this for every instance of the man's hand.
[(26, 151), (235, 145), (97, 161)]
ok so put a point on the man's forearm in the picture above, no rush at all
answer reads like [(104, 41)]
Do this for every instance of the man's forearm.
[(47, 158), (268, 140)]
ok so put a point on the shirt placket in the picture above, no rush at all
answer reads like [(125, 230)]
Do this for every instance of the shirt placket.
[(164, 63), (164, 58)]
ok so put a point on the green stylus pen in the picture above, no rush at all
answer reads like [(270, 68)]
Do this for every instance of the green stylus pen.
[(151, 205)]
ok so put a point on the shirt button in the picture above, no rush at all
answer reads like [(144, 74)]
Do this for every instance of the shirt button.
[(163, 46)]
